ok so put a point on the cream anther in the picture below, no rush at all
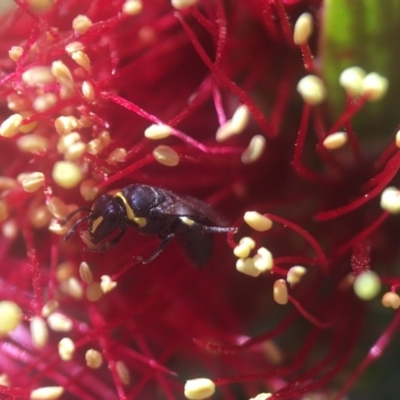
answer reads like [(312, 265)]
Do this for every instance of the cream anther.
[(335, 141), (199, 389), (312, 90), (280, 292), (352, 80), (303, 29)]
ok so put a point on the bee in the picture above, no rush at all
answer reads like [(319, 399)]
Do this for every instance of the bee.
[(152, 211)]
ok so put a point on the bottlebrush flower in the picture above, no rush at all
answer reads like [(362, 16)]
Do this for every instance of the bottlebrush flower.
[(227, 102)]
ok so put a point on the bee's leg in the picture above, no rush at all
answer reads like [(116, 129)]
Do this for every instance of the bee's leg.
[(160, 248), (205, 228), (109, 244), (215, 229)]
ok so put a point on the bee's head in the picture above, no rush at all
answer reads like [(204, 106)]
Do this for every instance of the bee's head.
[(106, 216)]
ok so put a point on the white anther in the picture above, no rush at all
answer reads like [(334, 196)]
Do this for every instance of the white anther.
[(94, 292), (75, 151), (312, 90), (335, 140), (17, 103), (242, 250), (61, 72), (352, 80), (66, 174), (225, 132), (39, 216), (262, 396), (65, 270), (88, 91), (107, 284), (240, 118), (391, 300), (390, 200), (257, 221), (47, 393), (66, 124), (93, 358), (10, 229), (15, 53), (10, 316), (248, 241), (123, 372), (73, 288), (234, 126), (375, 86), (26, 128), (95, 146), (49, 308), (67, 140), (181, 4), (11, 126), (88, 189), (59, 322), (157, 132), (303, 29), (246, 266), (254, 150), (199, 389), (58, 209), (295, 274), (367, 285), (274, 354), (81, 24), (166, 155), (105, 138), (38, 76), (132, 7), (280, 292), (74, 46), (81, 59), (57, 228), (44, 102), (66, 349), (117, 155), (85, 273), (32, 181), (39, 332), (263, 260), (5, 380)]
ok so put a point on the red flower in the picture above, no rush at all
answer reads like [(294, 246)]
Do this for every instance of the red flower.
[(199, 99)]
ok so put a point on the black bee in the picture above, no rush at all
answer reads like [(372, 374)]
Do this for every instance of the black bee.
[(152, 211)]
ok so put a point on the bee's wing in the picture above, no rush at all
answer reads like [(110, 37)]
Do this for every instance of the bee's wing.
[(190, 207), (197, 245)]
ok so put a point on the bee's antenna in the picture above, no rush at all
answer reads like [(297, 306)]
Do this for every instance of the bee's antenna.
[(71, 214), (68, 218), (74, 226)]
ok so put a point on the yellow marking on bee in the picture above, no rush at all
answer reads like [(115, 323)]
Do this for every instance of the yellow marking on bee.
[(129, 212), (187, 221), (96, 223)]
